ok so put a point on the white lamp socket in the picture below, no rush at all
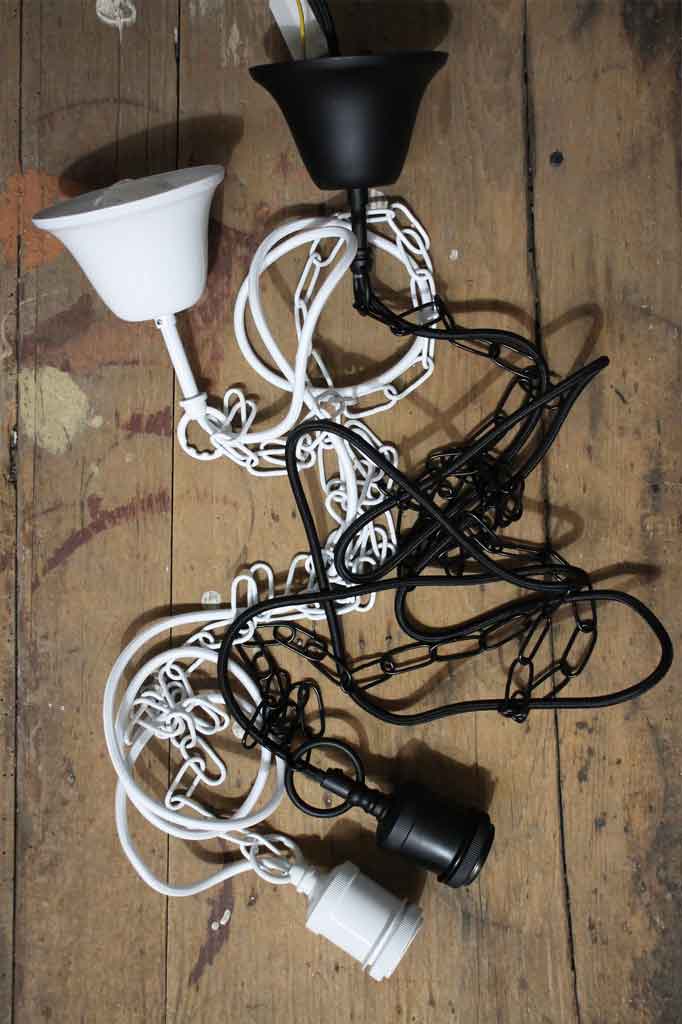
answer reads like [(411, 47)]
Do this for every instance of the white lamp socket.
[(358, 915)]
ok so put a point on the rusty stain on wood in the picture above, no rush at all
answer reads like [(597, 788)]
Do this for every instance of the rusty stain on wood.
[(159, 423), (22, 197), (106, 519)]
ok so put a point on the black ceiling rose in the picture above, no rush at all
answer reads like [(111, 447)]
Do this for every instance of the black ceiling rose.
[(352, 117)]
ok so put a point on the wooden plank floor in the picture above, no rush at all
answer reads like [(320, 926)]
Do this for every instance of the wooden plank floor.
[(547, 167)]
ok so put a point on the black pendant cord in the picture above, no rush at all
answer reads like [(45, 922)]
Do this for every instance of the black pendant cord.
[(321, 11), (450, 520), (451, 462), (470, 546), (423, 320), (281, 720), (529, 373), (315, 650)]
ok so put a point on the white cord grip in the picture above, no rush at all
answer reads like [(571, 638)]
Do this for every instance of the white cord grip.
[(196, 406)]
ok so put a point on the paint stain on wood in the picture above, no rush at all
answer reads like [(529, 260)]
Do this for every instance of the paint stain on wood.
[(102, 520), (216, 937), (53, 409), (232, 45), (23, 196), (158, 423), (117, 13)]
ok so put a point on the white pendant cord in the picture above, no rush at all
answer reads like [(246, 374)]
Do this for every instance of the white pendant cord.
[(410, 247), (270, 252), (160, 702), (358, 484), (230, 431)]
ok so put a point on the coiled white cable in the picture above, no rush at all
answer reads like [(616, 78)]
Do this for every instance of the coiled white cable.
[(358, 484), (230, 431), (160, 702)]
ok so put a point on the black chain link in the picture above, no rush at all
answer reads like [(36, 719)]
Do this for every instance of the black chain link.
[(450, 523)]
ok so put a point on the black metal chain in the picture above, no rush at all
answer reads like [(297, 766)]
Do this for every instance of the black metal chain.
[(462, 499), (450, 522)]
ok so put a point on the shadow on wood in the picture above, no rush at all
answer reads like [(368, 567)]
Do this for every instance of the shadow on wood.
[(212, 140)]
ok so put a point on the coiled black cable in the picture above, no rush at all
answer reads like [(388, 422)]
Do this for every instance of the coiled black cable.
[(279, 723)]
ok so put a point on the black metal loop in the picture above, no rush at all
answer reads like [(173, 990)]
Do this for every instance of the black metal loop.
[(301, 763), (450, 519)]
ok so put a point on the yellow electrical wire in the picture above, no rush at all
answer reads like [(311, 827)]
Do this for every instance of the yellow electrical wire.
[(301, 24)]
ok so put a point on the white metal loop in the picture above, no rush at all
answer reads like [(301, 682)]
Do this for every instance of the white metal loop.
[(161, 702)]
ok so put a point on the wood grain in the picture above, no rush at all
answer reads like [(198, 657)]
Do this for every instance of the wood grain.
[(492, 952), (575, 919), (606, 94), (9, 233), (95, 505)]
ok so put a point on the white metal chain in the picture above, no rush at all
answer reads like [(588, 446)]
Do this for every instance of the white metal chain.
[(161, 702), (230, 430)]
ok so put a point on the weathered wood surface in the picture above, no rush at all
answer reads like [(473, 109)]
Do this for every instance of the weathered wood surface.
[(9, 133), (606, 87), (94, 519), (574, 919), (470, 108)]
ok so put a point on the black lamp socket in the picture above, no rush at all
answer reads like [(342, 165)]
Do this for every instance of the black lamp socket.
[(448, 839)]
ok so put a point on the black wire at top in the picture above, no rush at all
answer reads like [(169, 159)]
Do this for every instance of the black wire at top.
[(320, 9)]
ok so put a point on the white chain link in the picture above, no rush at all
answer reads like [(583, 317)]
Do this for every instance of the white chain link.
[(161, 702)]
